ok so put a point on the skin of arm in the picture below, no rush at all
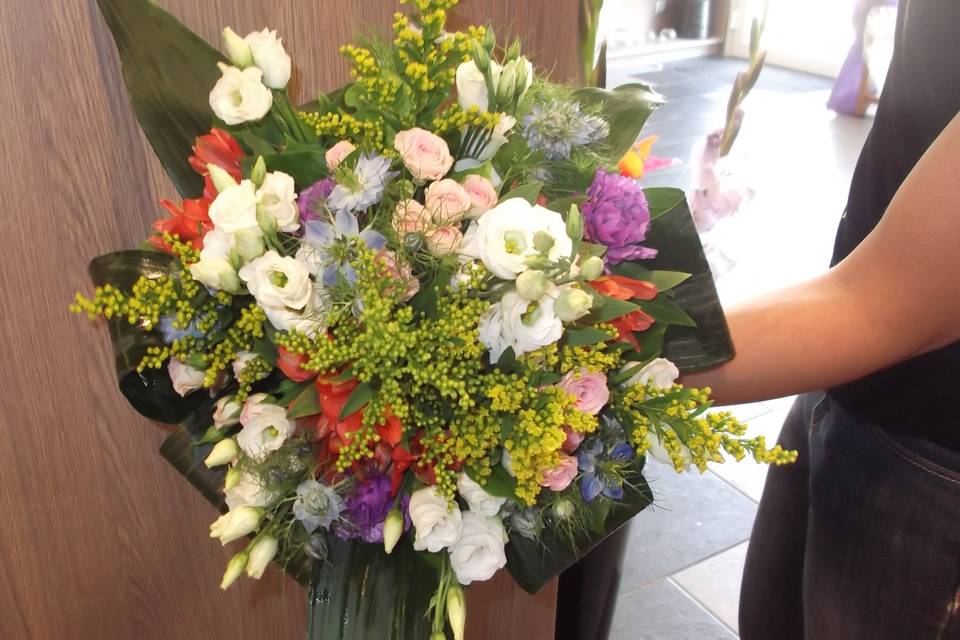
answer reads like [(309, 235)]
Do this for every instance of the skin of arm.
[(896, 296)]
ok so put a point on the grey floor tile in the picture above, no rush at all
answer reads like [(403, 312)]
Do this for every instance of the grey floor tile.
[(715, 583), (694, 516), (662, 611)]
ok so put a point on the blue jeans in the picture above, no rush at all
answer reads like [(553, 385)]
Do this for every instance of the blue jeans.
[(859, 540)]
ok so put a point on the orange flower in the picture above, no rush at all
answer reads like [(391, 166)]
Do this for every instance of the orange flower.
[(190, 221), (291, 364), (624, 288), (633, 321)]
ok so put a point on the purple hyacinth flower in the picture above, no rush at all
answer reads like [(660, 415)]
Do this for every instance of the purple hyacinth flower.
[(617, 216)]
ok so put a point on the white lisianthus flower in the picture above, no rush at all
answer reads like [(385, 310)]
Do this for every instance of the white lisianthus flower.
[(227, 412), (479, 552), (308, 321), (660, 371), (437, 524), (262, 551), (214, 269), (278, 282), (503, 237), (224, 452), (479, 501), (278, 197), (184, 377), (240, 362), (236, 523), (265, 427), (572, 303), (515, 322), (235, 208), (248, 491), (270, 57), (472, 85), (240, 95)]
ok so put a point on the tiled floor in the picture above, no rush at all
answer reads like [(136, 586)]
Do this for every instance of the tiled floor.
[(685, 559)]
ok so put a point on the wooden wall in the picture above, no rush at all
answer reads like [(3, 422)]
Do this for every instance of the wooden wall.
[(99, 538)]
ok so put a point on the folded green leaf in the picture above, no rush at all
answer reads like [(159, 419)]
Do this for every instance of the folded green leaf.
[(584, 337), (663, 199), (305, 404), (529, 191), (358, 399), (169, 72), (626, 108), (610, 309)]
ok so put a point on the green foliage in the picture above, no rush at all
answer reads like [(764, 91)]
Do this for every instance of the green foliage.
[(626, 109)]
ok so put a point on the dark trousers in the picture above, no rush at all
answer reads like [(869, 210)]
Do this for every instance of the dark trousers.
[(859, 540)]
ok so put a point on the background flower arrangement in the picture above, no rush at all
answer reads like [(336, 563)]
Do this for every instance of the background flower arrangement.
[(405, 328)]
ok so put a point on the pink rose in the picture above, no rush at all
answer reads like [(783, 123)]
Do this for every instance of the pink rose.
[(483, 195), (400, 273), (444, 241), (447, 201), (338, 152), (588, 389), (410, 217), (560, 477), (426, 155), (574, 438)]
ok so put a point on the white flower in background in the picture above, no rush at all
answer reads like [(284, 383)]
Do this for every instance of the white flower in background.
[(572, 303), (227, 412), (514, 322), (236, 523), (498, 138), (436, 522), (659, 371), (270, 57), (660, 454), (472, 85), (503, 237), (479, 501), (235, 208), (479, 552), (262, 551), (338, 153), (278, 197), (446, 201), (278, 282), (248, 491), (265, 427), (240, 96), (184, 377), (214, 269), (309, 320)]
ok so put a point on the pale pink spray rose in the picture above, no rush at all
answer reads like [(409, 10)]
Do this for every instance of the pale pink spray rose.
[(588, 389), (560, 477), (424, 154), (444, 241), (574, 438), (410, 217), (483, 195), (447, 201), (338, 152), (400, 273)]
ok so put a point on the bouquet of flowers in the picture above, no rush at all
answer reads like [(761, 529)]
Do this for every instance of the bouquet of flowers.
[(415, 329)]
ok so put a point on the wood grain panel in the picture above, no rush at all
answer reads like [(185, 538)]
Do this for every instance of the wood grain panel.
[(100, 538)]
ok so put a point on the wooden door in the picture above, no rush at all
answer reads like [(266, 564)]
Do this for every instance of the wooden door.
[(99, 537)]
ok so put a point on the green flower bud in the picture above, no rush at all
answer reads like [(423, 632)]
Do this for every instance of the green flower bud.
[(564, 509), (222, 453), (238, 51), (575, 223), (236, 523), (532, 284), (480, 57), (211, 436), (234, 568), (232, 478), (438, 635), (262, 551), (457, 610), (259, 172), (267, 221), (249, 244), (572, 304), (489, 39), (543, 242), (508, 82), (592, 268), (392, 529), (513, 51), (221, 179)]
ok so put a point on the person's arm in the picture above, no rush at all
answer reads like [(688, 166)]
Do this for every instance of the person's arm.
[(895, 297)]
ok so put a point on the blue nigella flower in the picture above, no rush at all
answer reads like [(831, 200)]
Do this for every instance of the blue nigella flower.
[(602, 469), (326, 247), (557, 127), (362, 186)]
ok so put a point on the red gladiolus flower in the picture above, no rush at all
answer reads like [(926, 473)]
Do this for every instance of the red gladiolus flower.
[(292, 366), (623, 288), (391, 430), (220, 149), (189, 220), (633, 321)]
